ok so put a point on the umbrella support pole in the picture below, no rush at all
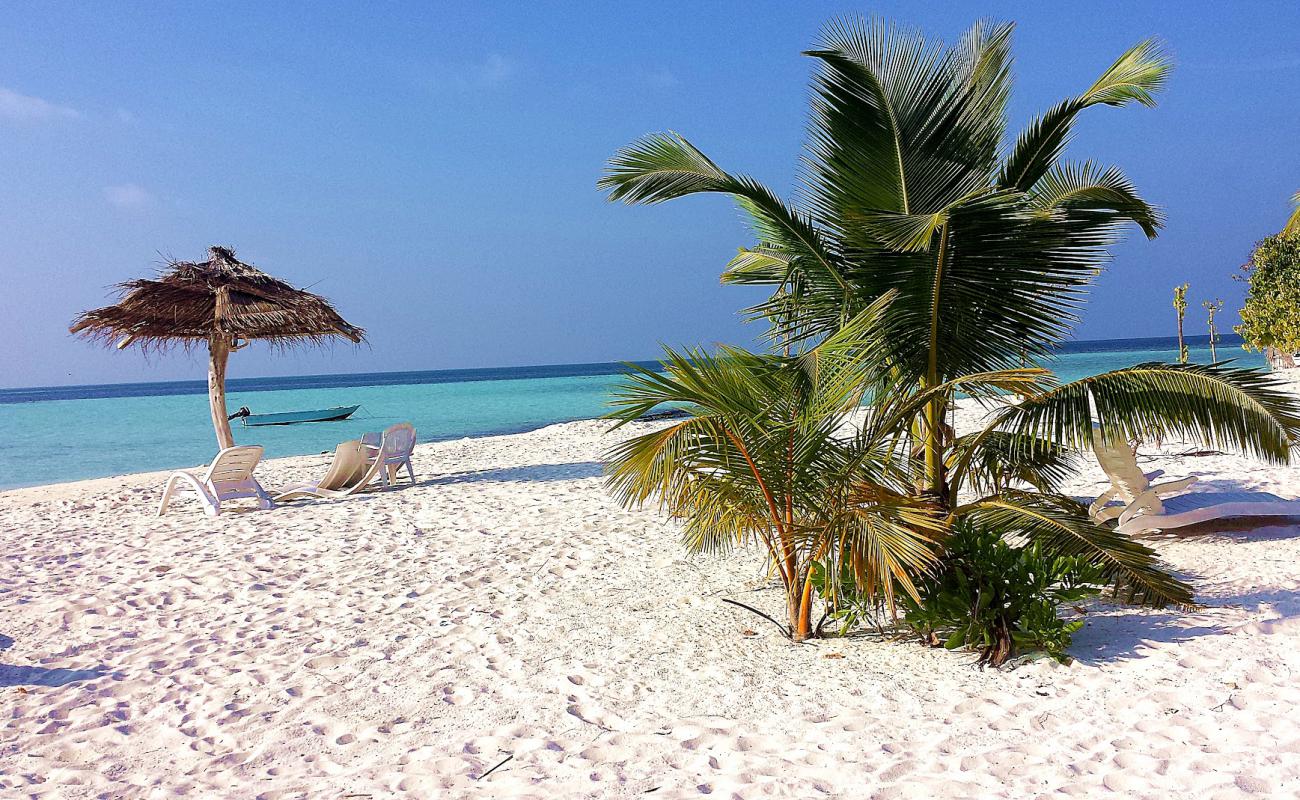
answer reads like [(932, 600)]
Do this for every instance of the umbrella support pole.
[(219, 351)]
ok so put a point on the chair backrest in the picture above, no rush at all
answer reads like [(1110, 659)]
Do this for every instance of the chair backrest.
[(233, 465), (398, 443), (347, 466), (1120, 465)]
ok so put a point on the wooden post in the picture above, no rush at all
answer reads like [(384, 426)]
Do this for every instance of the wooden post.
[(219, 351)]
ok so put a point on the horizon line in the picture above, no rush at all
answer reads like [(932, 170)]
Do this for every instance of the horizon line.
[(255, 377)]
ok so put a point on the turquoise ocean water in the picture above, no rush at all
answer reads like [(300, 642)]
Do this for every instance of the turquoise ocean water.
[(67, 433)]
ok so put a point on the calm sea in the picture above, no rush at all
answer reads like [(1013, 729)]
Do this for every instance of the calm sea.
[(72, 432)]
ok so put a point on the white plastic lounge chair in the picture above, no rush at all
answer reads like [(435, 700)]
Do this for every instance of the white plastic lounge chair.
[(395, 449), (1139, 505), (230, 476), (344, 476), (357, 464)]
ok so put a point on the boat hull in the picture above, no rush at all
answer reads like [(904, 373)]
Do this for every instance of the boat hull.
[(295, 417)]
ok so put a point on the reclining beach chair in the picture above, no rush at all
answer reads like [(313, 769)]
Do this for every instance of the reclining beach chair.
[(346, 475), (357, 464), (1136, 505), (230, 476), (394, 452)]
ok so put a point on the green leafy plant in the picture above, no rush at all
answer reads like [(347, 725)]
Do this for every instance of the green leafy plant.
[(1180, 307), (1270, 319), (1212, 309), (1000, 599), (845, 605)]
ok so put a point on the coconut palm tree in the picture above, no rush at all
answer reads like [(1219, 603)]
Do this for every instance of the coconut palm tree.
[(911, 189), (760, 459)]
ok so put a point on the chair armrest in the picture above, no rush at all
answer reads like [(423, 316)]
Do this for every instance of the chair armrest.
[(1107, 514), (1173, 487), (1148, 501), (1101, 501)]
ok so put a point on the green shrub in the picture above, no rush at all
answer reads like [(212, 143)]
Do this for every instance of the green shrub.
[(845, 605), (1270, 320), (1000, 599)]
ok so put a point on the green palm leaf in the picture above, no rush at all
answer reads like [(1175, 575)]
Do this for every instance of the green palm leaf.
[(1062, 527), (1226, 407), (1135, 77)]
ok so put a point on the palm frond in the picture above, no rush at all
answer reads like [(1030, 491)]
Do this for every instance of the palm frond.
[(1106, 195), (900, 124), (1136, 76), (988, 461), (660, 167), (665, 166), (1061, 526), (1226, 407), (889, 540), (1293, 224)]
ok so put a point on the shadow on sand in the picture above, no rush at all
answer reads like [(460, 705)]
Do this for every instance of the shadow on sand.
[(536, 472), (1121, 634), (13, 675)]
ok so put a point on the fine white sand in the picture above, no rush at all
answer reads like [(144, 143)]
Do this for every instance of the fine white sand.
[(402, 644)]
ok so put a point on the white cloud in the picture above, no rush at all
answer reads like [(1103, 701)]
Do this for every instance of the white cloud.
[(662, 79), (25, 108), (496, 69), (491, 71), (128, 196)]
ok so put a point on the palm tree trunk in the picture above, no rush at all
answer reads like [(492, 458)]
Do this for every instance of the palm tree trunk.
[(218, 352), (799, 608), (934, 410)]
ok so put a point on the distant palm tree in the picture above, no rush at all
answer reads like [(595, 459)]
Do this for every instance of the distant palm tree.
[(1293, 224), (911, 191)]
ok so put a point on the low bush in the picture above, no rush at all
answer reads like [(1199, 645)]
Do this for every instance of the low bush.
[(1000, 599)]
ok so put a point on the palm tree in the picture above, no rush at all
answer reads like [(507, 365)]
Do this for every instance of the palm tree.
[(910, 190), (1293, 223), (760, 459)]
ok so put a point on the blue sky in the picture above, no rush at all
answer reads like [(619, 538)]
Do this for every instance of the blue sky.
[(431, 168)]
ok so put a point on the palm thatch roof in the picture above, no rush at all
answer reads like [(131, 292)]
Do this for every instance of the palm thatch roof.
[(190, 302)]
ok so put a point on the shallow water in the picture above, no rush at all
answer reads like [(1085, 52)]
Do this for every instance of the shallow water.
[(70, 433)]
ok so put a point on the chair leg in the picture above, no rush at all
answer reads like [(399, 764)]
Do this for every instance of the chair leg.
[(264, 500), (410, 471), (167, 495)]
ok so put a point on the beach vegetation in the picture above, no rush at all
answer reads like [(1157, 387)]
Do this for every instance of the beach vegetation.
[(1212, 309), (1180, 308), (999, 598), (973, 251), (760, 459), (1270, 318)]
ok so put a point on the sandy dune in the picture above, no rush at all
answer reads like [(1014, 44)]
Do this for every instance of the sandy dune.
[(404, 643)]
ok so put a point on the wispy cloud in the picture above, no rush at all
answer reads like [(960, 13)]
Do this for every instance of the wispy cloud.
[(491, 71), (662, 79), (21, 107), (496, 69), (128, 196)]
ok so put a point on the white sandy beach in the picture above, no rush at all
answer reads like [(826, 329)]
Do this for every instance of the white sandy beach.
[(402, 643)]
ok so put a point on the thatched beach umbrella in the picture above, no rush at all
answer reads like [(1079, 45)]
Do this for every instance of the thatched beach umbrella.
[(221, 302)]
